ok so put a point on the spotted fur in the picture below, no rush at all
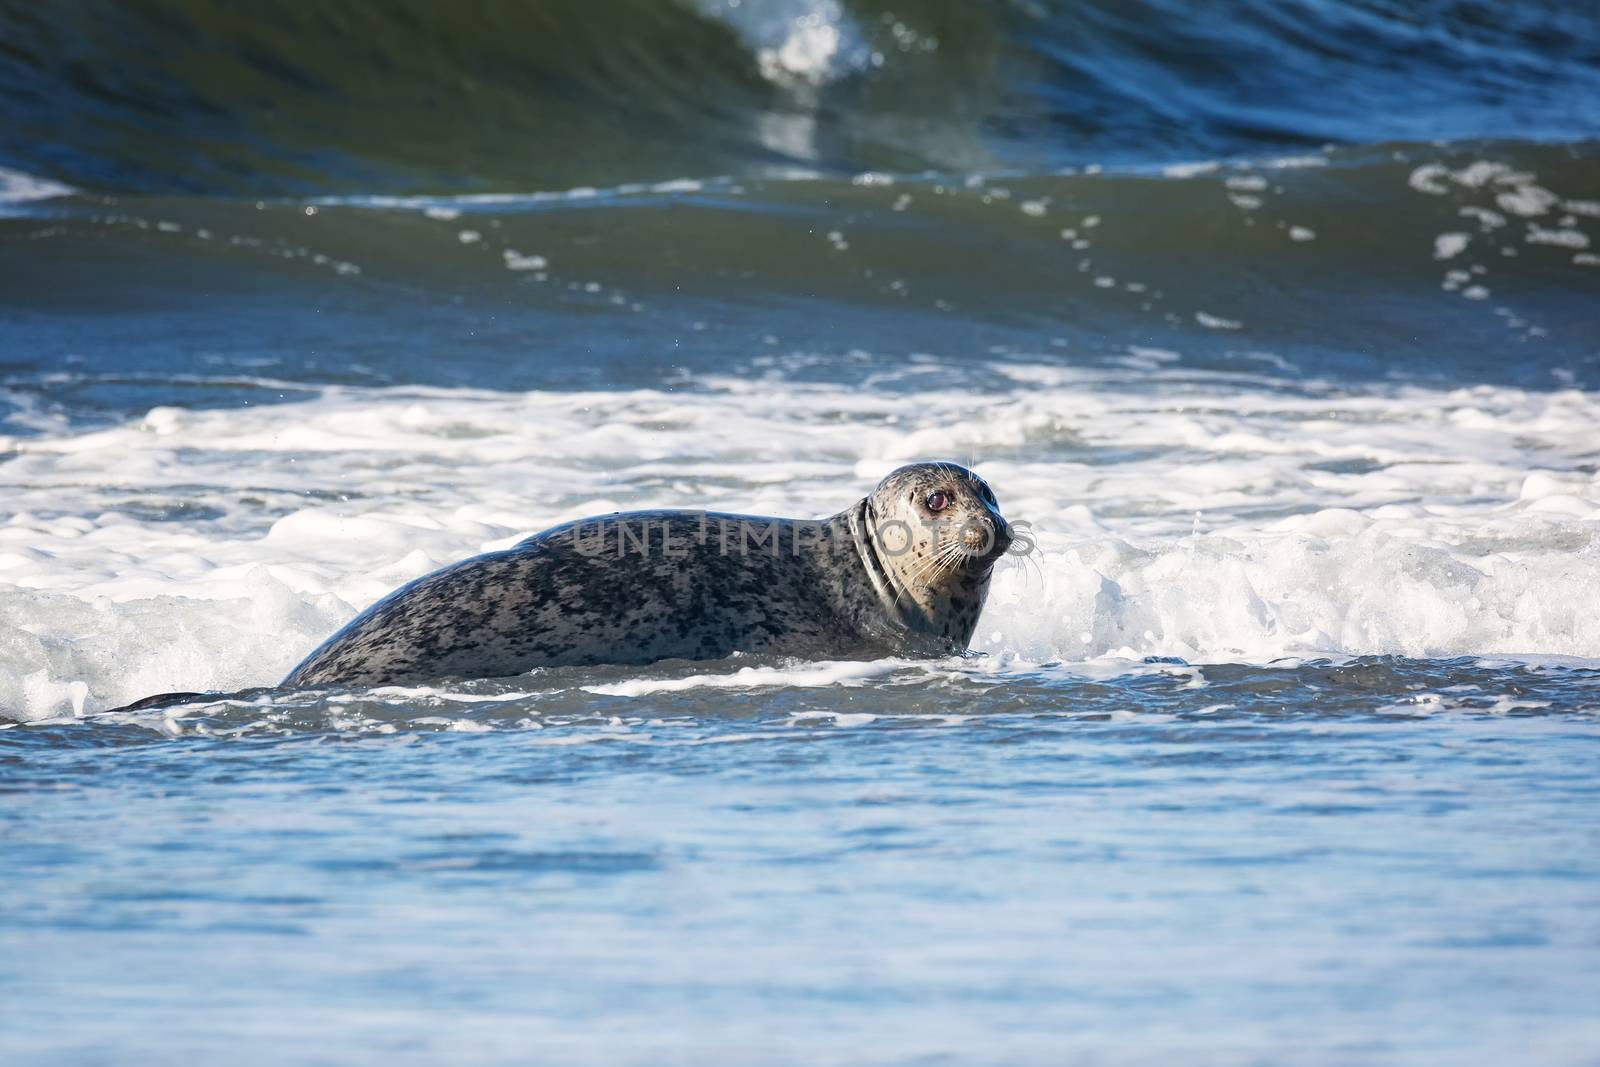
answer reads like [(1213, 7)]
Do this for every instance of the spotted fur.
[(637, 587)]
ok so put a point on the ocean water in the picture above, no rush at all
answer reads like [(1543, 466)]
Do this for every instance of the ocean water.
[(1280, 328)]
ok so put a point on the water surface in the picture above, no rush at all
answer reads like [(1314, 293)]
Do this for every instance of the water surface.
[(1278, 326)]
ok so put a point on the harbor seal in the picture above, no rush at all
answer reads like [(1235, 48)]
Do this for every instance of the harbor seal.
[(903, 571)]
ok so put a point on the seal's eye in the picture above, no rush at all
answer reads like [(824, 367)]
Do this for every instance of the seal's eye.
[(938, 501)]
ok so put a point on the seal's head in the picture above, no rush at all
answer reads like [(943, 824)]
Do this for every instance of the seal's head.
[(937, 531), (933, 518)]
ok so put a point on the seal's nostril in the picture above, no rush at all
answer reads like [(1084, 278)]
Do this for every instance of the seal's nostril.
[(977, 536)]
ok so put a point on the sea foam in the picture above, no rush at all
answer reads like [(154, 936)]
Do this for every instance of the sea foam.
[(1207, 518)]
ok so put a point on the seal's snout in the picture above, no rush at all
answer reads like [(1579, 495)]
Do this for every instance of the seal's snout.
[(1002, 534), (989, 537), (984, 537)]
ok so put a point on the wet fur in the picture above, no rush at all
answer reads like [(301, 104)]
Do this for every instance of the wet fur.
[(678, 585)]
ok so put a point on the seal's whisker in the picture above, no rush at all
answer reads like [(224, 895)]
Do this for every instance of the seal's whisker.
[(936, 565), (946, 559), (1038, 570), (915, 574), (1028, 567), (922, 569)]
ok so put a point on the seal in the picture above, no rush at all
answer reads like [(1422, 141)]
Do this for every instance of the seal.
[(904, 571)]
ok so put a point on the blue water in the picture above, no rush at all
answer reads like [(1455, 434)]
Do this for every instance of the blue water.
[(1276, 322), (1021, 870)]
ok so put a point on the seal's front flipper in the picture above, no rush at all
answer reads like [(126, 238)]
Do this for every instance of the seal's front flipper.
[(167, 700), (162, 700)]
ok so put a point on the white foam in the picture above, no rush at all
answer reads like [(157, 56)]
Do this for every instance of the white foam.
[(19, 188), (812, 675), (517, 261), (1450, 245), (1562, 238), (798, 43), (1190, 170), (1180, 515)]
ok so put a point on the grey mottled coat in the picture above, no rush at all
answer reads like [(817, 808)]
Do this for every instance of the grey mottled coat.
[(639, 587)]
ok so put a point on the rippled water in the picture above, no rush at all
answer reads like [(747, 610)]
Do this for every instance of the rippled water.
[(1382, 861), (1278, 327)]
